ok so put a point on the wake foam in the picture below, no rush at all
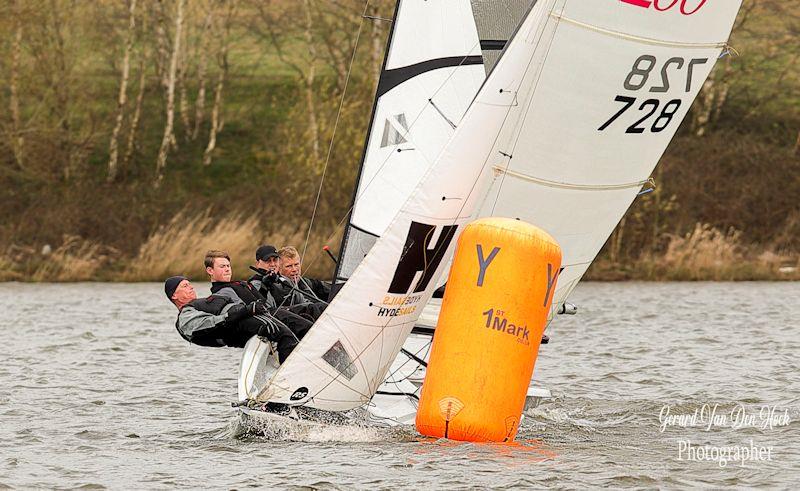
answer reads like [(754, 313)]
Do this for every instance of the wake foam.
[(336, 428)]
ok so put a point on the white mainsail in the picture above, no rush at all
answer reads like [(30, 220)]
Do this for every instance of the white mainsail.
[(432, 71), (563, 133), (621, 76)]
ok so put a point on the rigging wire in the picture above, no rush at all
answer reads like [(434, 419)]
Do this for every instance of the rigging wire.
[(335, 127), (408, 360), (452, 125)]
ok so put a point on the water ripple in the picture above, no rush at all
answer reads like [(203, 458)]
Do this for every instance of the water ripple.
[(102, 393)]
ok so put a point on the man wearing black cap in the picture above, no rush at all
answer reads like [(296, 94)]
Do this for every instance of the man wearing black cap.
[(274, 286), (266, 276), (267, 258), (217, 321)]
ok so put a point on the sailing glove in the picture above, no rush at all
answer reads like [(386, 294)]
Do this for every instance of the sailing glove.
[(257, 308), (268, 329), (269, 278)]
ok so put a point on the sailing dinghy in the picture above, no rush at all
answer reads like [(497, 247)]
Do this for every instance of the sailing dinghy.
[(552, 111)]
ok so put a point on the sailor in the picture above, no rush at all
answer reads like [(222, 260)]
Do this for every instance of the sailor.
[(309, 288), (218, 267), (217, 321), (266, 278), (271, 283)]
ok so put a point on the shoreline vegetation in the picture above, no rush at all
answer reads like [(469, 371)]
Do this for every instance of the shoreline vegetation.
[(136, 135), (705, 254)]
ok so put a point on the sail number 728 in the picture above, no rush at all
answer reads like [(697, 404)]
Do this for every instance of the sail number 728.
[(636, 80)]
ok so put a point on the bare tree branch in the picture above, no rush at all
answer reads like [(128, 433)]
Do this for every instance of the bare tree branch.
[(200, 102), (17, 138), (162, 44), (183, 68), (169, 137), (137, 109), (122, 99), (304, 67), (61, 89), (217, 121), (309, 82)]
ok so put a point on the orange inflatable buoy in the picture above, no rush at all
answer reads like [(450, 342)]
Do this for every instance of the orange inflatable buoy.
[(493, 314)]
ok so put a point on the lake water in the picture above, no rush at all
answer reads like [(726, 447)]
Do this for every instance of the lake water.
[(97, 390)]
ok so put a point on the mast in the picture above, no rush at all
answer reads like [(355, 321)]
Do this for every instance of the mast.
[(346, 233)]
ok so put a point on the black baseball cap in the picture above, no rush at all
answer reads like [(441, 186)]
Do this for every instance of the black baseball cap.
[(265, 252), (172, 284)]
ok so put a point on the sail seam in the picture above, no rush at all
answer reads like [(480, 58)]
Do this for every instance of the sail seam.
[(639, 39), (555, 184)]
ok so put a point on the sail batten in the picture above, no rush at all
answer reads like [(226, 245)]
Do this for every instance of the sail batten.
[(566, 185), (638, 39)]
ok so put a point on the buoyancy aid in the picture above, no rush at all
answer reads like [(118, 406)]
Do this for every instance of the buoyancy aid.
[(211, 305), (243, 289)]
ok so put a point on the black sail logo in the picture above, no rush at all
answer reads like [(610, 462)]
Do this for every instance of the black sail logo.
[(299, 394), (419, 256)]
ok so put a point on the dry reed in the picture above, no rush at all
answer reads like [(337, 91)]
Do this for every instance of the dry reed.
[(76, 259), (8, 271), (179, 246), (707, 253)]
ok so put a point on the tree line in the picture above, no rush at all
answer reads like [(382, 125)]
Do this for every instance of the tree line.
[(121, 114)]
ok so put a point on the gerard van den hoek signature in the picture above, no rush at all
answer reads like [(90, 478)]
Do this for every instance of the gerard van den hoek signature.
[(708, 416)]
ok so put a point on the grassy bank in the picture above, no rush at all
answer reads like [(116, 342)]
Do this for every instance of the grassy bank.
[(705, 254), (178, 247), (733, 164)]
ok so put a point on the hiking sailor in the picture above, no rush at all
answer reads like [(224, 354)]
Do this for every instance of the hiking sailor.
[(218, 267), (310, 289), (217, 321), (282, 289), (266, 278)]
